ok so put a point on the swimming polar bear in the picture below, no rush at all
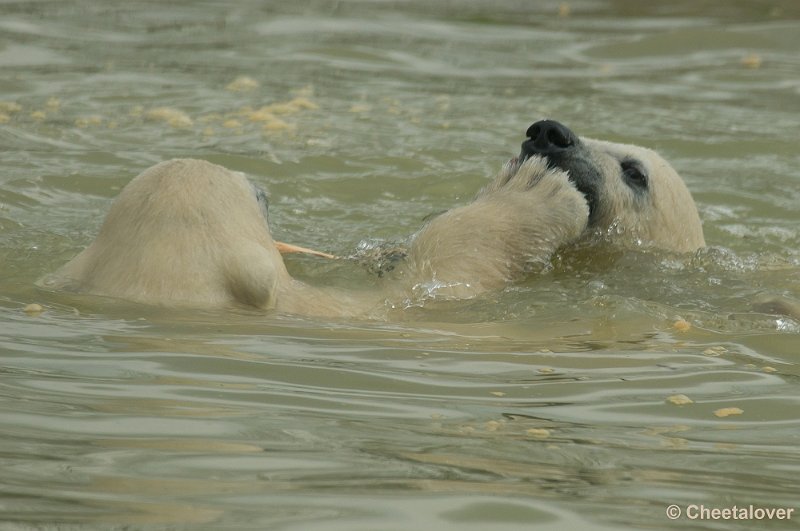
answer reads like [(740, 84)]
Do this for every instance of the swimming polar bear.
[(561, 188), (190, 233)]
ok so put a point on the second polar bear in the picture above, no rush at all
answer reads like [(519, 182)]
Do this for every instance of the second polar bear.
[(191, 233), (560, 189)]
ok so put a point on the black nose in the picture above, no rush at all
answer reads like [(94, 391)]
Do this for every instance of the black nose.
[(548, 137)]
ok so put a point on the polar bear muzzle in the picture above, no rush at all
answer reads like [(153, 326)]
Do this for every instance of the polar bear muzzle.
[(564, 150)]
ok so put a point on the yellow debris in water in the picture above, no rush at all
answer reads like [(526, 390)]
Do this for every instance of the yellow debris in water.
[(303, 103), (38, 115), (674, 442), (493, 425), (681, 325), (53, 104), (679, 400), (242, 84), (9, 107), (546, 370), (33, 309), (767, 368), (498, 393), (258, 115), (606, 68), (295, 105), (715, 351), (538, 433), (728, 411), (212, 117), (752, 60), (87, 121), (275, 125), (4, 118), (564, 10), (173, 117), (661, 430)]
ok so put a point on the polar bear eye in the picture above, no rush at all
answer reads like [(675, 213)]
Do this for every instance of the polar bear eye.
[(633, 174)]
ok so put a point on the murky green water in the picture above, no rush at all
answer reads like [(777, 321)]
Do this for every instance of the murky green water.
[(543, 407)]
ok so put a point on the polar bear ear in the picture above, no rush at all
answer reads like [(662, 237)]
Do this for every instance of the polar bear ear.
[(251, 275), (263, 200)]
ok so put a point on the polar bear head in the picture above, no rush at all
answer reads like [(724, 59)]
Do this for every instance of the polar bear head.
[(633, 194), (184, 232)]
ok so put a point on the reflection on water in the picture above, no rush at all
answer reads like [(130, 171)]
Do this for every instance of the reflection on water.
[(591, 396)]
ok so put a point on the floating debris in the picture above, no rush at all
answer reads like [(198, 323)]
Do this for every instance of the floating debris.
[(728, 411), (88, 121), (9, 107), (679, 400), (276, 124), (173, 117), (33, 309), (538, 433), (493, 425), (242, 84), (360, 108), (682, 325), (715, 351), (293, 106), (752, 60)]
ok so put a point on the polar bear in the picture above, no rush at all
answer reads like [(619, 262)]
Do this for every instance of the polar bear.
[(560, 190), (188, 232)]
